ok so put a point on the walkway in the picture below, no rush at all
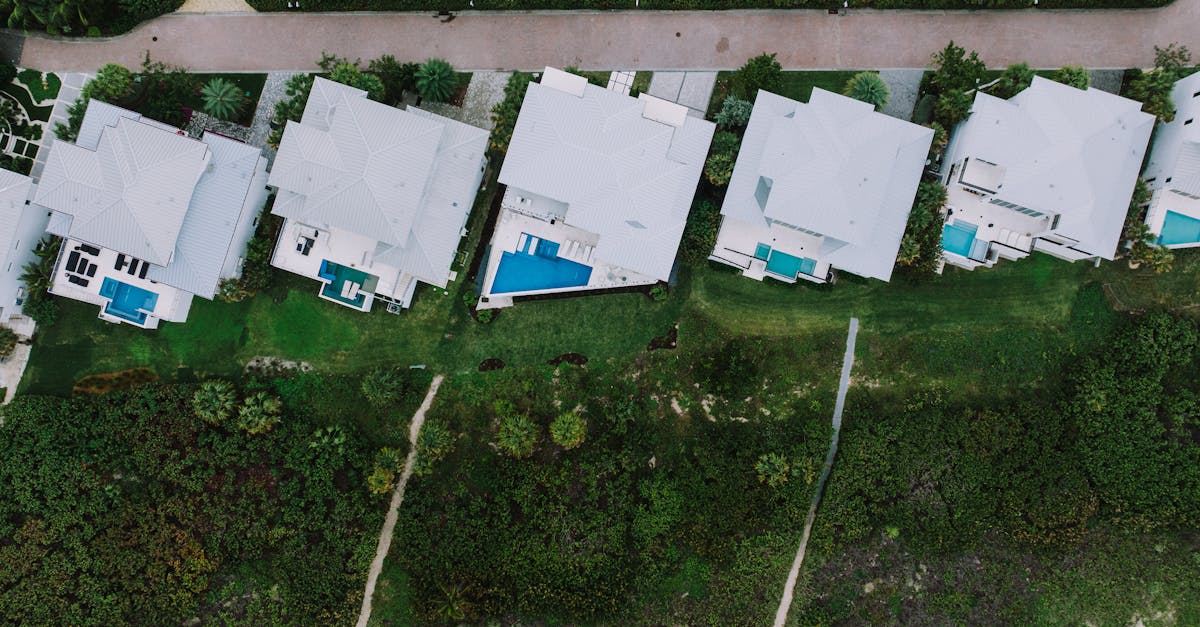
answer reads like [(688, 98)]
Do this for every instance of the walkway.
[(847, 363), (389, 523), (12, 368), (635, 40)]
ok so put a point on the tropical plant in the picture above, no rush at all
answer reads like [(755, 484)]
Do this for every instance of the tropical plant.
[(761, 72), (434, 443), (8, 342), (397, 77), (388, 462), (214, 401), (259, 413), (453, 606), (1073, 75), (952, 107), (955, 70), (112, 84), (940, 139), (658, 293), (518, 436), (1015, 79), (773, 469), (1143, 249), (718, 169), (700, 232), (1153, 88), (386, 386), (223, 99), (921, 246), (868, 87), (296, 92), (568, 430), (734, 113), (37, 276), (505, 112), (436, 80)]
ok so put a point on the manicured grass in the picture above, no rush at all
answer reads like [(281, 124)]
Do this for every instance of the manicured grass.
[(41, 86), (797, 85)]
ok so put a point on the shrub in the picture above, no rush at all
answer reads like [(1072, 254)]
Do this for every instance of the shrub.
[(773, 469), (658, 292), (292, 107), (1015, 79), (921, 246), (1073, 75), (223, 99), (569, 429), (8, 342), (735, 113), (37, 276), (505, 112), (436, 80), (722, 157), (112, 84), (259, 413), (349, 74), (434, 443), (940, 139), (761, 72), (868, 87), (386, 386), (700, 233), (397, 77), (955, 70), (214, 401), (388, 462), (7, 73), (167, 90), (1153, 88), (518, 436), (952, 107)]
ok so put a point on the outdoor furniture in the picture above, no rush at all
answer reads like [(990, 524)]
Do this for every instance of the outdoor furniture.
[(120, 262), (72, 261), (91, 270), (145, 269), (133, 266), (91, 250), (78, 281)]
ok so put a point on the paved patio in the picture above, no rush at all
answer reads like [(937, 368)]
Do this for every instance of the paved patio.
[(690, 89), (681, 40)]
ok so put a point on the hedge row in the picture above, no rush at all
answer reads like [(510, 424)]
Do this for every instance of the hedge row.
[(525, 5)]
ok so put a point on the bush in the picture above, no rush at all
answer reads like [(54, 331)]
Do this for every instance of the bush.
[(292, 107), (722, 156), (1015, 79), (868, 87), (214, 401), (112, 84), (505, 112), (1074, 76), (700, 233), (434, 443), (761, 72), (259, 413), (1153, 88), (735, 113), (7, 73), (8, 342), (952, 107), (388, 462), (397, 77), (37, 276), (518, 436), (568, 430), (658, 293), (384, 387), (436, 80), (921, 246), (773, 469)]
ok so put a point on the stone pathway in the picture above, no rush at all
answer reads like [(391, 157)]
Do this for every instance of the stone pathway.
[(389, 523), (13, 368), (690, 89), (274, 90), (72, 82), (902, 91), (652, 40), (785, 603)]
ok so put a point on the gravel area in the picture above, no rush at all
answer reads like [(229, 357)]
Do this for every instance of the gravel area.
[(1106, 80), (902, 91), (486, 89), (274, 90)]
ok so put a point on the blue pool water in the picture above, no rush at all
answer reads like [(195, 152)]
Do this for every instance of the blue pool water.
[(957, 237), (789, 265), (524, 271), (1179, 229), (127, 301), (338, 275), (762, 251)]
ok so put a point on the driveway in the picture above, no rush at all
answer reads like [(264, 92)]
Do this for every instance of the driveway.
[(635, 40)]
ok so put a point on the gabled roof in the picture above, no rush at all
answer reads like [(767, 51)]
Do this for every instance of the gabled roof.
[(212, 219), (131, 192), (14, 191), (833, 166), (1176, 152), (405, 177), (1065, 150), (627, 177), (366, 172)]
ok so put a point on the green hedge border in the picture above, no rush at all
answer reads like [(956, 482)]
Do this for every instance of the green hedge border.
[(679, 5)]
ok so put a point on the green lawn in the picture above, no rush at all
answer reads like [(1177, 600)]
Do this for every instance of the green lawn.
[(797, 85)]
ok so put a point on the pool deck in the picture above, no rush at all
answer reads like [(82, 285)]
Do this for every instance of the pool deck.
[(1015, 232), (173, 305), (1163, 201), (737, 242), (574, 244)]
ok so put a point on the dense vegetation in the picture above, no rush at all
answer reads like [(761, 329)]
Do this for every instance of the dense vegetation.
[(128, 509), (661, 5), (82, 17)]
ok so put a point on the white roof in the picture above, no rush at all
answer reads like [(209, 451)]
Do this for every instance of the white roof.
[(405, 177), (834, 167), (623, 176), (1176, 151), (1068, 151), (130, 192), (14, 191)]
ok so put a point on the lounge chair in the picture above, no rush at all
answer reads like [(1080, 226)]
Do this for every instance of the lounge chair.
[(72, 261)]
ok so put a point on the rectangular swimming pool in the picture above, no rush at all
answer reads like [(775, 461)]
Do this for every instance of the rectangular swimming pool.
[(339, 276), (789, 266), (126, 301), (524, 272), (958, 236), (1179, 229)]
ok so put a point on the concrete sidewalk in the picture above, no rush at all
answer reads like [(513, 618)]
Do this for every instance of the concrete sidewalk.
[(635, 40)]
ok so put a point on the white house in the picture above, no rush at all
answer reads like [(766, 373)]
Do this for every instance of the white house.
[(1173, 173), (1051, 169), (21, 228), (149, 216), (374, 198), (598, 189), (827, 184)]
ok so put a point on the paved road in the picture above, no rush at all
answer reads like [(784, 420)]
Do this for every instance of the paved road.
[(643, 40), (785, 602)]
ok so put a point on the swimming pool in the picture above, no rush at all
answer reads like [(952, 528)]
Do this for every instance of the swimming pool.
[(789, 266), (524, 272), (339, 276), (1179, 229), (958, 236), (126, 301)]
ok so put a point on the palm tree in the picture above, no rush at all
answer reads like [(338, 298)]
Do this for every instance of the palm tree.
[(436, 80), (869, 88), (223, 99), (214, 401)]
